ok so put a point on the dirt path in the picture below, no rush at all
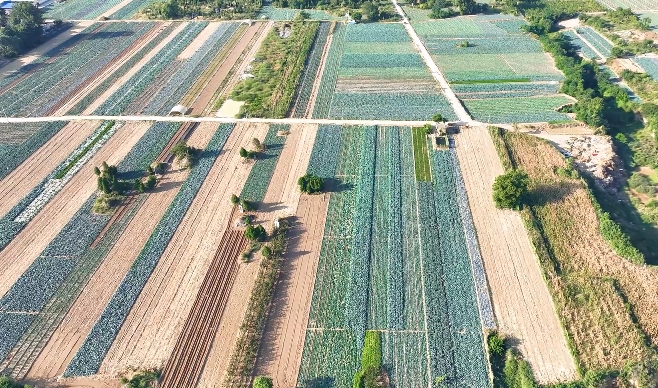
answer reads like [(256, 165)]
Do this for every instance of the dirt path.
[(522, 304), (145, 339), (34, 169), (121, 81), (318, 78), (38, 233), (197, 42), (281, 349), (84, 313)]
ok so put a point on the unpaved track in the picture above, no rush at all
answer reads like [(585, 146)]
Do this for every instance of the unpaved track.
[(282, 196), (35, 168), (150, 331), (318, 78), (280, 353), (84, 313), (38, 233), (523, 306)]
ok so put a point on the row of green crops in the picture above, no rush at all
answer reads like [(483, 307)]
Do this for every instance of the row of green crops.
[(518, 110), (470, 91), (649, 65), (597, 41), (12, 155), (310, 72), (421, 156), (381, 76), (330, 74), (324, 156), (632, 4), (130, 9), (190, 70), (37, 93), (133, 88), (497, 67), (261, 173), (583, 48), (62, 269), (90, 355), (395, 264), (79, 9)]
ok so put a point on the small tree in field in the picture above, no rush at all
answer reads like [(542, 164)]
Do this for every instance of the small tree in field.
[(438, 118), (235, 199), (310, 184), (263, 382), (255, 233), (510, 189), (258, 146)]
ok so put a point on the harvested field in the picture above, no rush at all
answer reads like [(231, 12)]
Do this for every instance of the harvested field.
[(522, 304), (83, 314), (283, 342), (183, 265), (37, 234), (598, 294), (34, 169)]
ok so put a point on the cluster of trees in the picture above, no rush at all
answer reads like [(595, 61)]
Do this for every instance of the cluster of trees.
[(448, 8), (184, 154), (310, 184), (21, 30), (6, 382), (175, 9), (109, 183), (141, 379), (510, 190)]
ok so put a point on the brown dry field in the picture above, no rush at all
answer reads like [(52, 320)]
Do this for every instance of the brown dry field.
[(35, 168), (522, 304), (282, 195), (280, 353), (84, 313), (593, 281), (121, 81), (38, 233), (149, 334)]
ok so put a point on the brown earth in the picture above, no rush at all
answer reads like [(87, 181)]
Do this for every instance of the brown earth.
[(280, 353), (523, 307), (35, 168), (149, 334), (38, 233), (84, 313)]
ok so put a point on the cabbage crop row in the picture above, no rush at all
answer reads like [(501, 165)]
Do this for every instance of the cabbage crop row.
[(310, 72), (324, 156), (330, 74), (261, 173)]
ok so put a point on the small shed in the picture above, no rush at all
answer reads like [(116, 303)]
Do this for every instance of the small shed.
[(178, 110)]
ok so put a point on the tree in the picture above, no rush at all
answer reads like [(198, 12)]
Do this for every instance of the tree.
[(370, 11), (258, 146), (428, 129), (438, 118), (310, 184), (97, 171), (266, 251), (262, 381), (466, 7), (510, 189), (255, 233), (247, 154), (139, 186), (235, 199), (151, 181)]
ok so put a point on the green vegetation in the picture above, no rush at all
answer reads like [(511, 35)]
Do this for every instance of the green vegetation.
[(276, 70), (372, 374), (421, 155), (263, 382), (247, 154), (310, 184), (6, 382), (82, 153), (185, 154), (244, 353), (642, 184), (255, 233), (21, 30), (142, 379), (225, 9), (510, 190)]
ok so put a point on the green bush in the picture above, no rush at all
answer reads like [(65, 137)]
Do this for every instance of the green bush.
[(266, 251), (263, 382), (143, 379), (641, 184), (255, 233), (510, 190), (496, 344), (310, 184), (151, 181), (235, 199)]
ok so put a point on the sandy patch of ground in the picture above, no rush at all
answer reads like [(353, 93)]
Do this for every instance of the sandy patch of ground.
[(80, 319), (230, 108), (38, 233), (571, 23), (281, 348), (620, 64), (32, 55), (34, 169), (150, 332), (121, 81), (522, 304), (200, 39)]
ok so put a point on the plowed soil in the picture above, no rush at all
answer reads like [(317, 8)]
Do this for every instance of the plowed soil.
[(38, 233), (523, 306)]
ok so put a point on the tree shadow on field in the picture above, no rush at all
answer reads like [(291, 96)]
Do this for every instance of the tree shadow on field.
[(333, 185), (543, 194), (270, 207)]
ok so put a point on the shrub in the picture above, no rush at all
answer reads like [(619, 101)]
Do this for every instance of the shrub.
[(255, 233), (511, 189), (247, 154), (266, 251), (258, 146), (142, 379), (151, 181), (235, 199), (263, 382), (428, 129), (182, 151), (641, 184), (310, 184), (496, 344), (438, 118), (139, 186), (247, 206)]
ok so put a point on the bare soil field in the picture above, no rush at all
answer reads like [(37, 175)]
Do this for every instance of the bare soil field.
[(281, 349), (198, 41), (603, 330), (523, 306), (121, 81), (39, 232), (42, 162), (80, 319), (168, 296), (282, 196)]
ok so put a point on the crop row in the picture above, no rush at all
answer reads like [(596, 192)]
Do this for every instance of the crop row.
[(395, 266), (400, 106), (310, 72), (120, 100), (404, 355), (191, 69), (330, 74), (12, 327), (325, 153), (12, 156), (486, 45), (583, 48), (649, 65), (383, 32), (330, 359), (499, 67), (632, 4), (130, 9), (90, 355), (79, 9), (41, 90), (596, 40), (466, 27), (259, 178), (382, 60), (504, 90), (518, 110)]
